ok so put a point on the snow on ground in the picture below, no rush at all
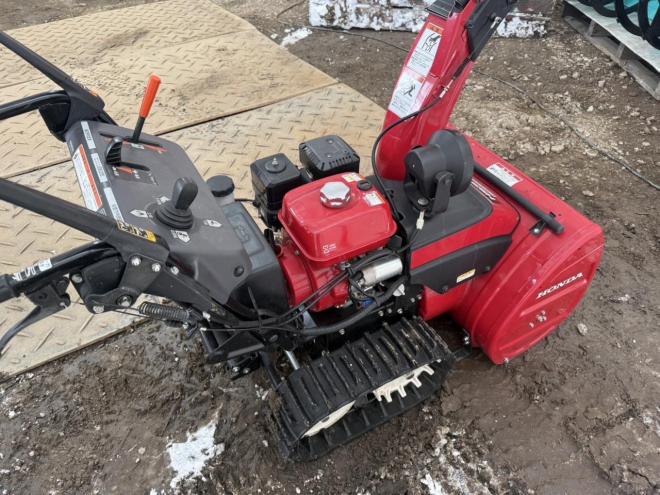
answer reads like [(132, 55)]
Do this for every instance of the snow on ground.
[(188, 458), (294, 37)]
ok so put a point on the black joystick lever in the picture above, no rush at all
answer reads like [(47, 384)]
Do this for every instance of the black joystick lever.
[(176, 212)]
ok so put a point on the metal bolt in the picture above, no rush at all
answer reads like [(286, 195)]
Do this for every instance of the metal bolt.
[(203, 329), (419, 297), (399, 311), (342, 331), (136, 261), (206, 315), (381, 314), (125, 301), (412, 300), (62, 304), (76, 278), (466, 340), (423, 202), (389, 311), (98, 309), (174, 270), (236, 369), (536, 231), (246, 371), (185, 326), (155, 267), (506, 360)]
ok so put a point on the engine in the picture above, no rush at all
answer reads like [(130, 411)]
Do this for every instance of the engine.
[(323, 216)]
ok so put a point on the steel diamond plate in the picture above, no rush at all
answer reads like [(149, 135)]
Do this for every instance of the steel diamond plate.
[(89, 40), (203, 80)]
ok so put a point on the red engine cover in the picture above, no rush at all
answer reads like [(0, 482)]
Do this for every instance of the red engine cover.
[(327, 236), (317, 238)]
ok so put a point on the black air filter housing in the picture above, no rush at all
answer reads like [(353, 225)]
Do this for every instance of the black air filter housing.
[(272, 178), (328, 155)]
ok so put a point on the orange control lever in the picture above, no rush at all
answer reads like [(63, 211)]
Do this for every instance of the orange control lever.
[(147, 103), (149, 96)]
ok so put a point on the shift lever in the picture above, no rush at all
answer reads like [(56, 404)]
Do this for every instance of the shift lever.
[(147, 103), (176, 212)]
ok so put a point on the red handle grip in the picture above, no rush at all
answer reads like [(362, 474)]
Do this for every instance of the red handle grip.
[(149, 96)]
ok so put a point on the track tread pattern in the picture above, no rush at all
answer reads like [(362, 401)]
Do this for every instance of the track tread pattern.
[(349, 374)]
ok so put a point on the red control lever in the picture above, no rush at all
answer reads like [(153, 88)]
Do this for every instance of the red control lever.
[(147, 103)]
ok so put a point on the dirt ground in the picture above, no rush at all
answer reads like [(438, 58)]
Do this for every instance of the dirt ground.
[(578, 414)]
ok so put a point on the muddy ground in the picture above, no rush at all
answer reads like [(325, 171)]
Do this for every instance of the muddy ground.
[(579, 414)]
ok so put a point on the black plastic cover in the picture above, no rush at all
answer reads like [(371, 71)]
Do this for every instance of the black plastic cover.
[(484, 22), (272, 178), (328, 155), (266, 280), (131, 192), (442, 274)]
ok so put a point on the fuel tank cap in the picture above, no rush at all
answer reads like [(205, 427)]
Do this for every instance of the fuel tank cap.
[(335, 195)]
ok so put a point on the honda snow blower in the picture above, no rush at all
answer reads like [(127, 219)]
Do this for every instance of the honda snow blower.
[(332, 298)]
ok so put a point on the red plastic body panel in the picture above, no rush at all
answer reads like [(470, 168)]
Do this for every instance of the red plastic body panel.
[(538, 283), (452, 50), (327, 236)]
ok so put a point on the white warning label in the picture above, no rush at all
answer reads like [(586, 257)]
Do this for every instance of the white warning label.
[(504, 174), (373, 199), (98, 165), (112, 201), (424, 53), (86, 180), (404, 101), (88, 136)]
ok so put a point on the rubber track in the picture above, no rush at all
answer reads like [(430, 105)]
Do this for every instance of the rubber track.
[(348, 374)]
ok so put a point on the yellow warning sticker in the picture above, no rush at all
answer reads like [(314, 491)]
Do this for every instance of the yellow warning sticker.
[(136, 231)]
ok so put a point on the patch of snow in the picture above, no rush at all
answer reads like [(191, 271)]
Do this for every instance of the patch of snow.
[(406, 16), (295, 36), (434, 487), (651, 422), (188, 458)]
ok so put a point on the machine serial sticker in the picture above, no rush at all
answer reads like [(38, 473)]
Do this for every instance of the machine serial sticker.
[(504, 174), (136, 231), (33, 270), (88, 136), (86, 180), (465, 276), (404, 101), (112, 202), (424, 54), (352, 177), (373, 199)]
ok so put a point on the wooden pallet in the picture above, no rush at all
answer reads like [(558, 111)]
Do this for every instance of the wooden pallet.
[(635, 55)]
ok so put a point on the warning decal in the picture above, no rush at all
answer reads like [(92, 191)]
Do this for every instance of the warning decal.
[(88, 136), (504, 174), (404, 101), (86, 180), (136, 231), (424, 54)]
